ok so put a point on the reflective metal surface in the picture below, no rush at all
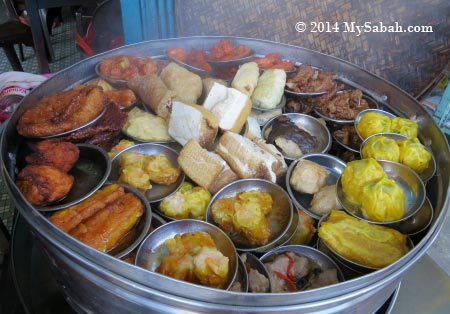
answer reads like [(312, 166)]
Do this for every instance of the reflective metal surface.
[(96, 282)]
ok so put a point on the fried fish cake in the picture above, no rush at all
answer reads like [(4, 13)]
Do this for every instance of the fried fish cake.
[(42, 184), (63, 111), (161, 170)]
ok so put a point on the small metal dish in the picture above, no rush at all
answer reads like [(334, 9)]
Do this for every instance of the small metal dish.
[(254, 263), (411, 184), (371, 102), (359, 116), (352, 265), (310, 124), (279, 106), (158, 191), (426, 174), (153, 249), (241, 278), (189, 67), (233, 62), (280, 219), (135, 236), (119, 82), (417, 222), (90, 172), (319, 258), (329, 162), (354, 147)]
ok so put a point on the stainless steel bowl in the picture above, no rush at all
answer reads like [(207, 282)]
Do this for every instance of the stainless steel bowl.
[(320, 259), (425, 175), (90, 172), (329, 162), (153, 249), (241, 282), (121, 288), (280, 219), (310, 124), (158, 191), (417, 222), (405, 177)]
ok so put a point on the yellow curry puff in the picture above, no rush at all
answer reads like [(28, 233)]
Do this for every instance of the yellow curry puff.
[(246, 213), (367, 244), (381, 198), (194, 257), (103, 219), (140, 170)]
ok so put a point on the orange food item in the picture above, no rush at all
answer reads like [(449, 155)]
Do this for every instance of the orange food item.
[(54, 152), (224, 50), (196, 58), (125, 67), (179, 54), (273, 61), (110, 224)]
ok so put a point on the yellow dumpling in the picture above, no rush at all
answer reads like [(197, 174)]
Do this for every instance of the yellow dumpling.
[(404, 126), (357, 174), (414, 155), (383, 200), (372, 123), (381, 148)]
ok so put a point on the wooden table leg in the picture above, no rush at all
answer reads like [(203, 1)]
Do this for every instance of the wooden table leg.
[(38, 38), (12, 58)]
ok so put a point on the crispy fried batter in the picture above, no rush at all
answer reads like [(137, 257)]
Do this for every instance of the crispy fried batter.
[(56, 153), (63, 111), (69, 218), (161, 170), (105, 229), (42, 184)]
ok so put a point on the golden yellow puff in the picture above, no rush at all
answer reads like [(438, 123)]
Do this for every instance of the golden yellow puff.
[(414, 155), (372, 123), (381, 148)]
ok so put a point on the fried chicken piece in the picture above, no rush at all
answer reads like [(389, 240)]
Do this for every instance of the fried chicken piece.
[(161, 170), (42, 184), (62, 112), (123, 97), (110, 224), (70, 217), (345, 105), (56, 153), (311, 80)]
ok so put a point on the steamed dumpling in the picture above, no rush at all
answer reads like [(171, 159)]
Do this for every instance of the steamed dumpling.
[(404, 126), (357, 174), (372, 123), (381, 148), (414, 155), (383, 200)]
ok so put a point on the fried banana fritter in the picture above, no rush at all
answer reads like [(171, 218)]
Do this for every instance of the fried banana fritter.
[(62, 112), (70, 217), (110, 224), (56, 153), (41, 184)]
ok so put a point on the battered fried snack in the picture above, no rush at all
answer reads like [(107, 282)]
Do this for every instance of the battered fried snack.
[(62, 112), (56, 153), (311, 80), (364, 243), (160, 169), (42, 184), (105, 229), (68, 218)]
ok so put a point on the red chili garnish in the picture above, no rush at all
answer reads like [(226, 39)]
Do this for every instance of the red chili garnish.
[(247, 267), (290, 283), (289, 267)]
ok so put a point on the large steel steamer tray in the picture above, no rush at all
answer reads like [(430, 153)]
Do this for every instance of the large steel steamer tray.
[(98, 283)]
